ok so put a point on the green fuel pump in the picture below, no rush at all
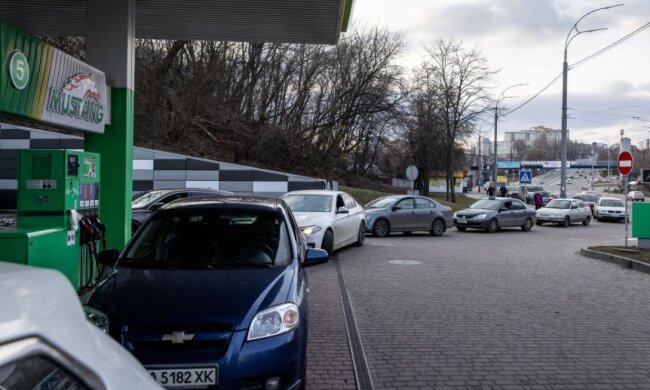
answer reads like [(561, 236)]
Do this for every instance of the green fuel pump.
[(57, 223)]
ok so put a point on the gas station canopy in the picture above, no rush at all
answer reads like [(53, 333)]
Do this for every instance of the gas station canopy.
[(292, 21)]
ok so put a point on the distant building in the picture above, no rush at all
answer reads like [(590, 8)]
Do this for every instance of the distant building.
[(533, 134)]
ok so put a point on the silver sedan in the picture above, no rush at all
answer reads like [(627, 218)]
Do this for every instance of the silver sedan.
[(406, 213)]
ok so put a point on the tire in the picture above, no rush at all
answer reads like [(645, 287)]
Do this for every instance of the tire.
[(361, 236), (528, 224), (566, 222), (461, 228), (328, 242), (438, 227), (586, 221), (407, 233), (493, 226), (381, 228)]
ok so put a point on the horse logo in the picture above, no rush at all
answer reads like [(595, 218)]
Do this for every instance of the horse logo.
[(82, 86)]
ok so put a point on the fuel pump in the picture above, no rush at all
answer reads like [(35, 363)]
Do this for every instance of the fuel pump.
[(58, 223)]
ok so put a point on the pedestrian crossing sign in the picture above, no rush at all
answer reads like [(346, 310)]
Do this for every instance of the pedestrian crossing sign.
[(525, 177)]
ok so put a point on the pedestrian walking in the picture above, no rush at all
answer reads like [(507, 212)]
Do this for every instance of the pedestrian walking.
[(490, 190), (538, 200), (503, 191)]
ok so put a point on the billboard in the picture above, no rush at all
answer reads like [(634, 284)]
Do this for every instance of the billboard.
[(42, 83)]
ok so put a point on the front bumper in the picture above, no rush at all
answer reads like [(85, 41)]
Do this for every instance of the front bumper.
[(315, 240), (550, 218), (471, 223), (249, 364)]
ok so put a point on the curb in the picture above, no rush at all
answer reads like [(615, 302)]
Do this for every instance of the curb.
[(619, 260)]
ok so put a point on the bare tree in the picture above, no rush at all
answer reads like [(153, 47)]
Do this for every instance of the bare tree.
[(456, 80)]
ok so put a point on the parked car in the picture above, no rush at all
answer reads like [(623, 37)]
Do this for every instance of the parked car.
[(609, 209), (636, 195), (212, 293), (513, 191), (564, 212), (493, 214), (406, 213), (145, 203), (46, 342), (590, 198), (329, 219)]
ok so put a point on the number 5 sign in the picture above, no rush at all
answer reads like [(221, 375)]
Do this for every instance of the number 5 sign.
[(19, 70)]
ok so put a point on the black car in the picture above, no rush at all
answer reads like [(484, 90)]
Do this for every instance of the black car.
[(145, 203)]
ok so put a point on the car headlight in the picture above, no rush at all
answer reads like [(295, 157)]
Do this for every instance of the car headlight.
[(274, 321), (97, 317), (481, 216), (456, 215), (309, 230)]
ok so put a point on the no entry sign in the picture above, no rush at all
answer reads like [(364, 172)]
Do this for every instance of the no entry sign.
[(625, 163)]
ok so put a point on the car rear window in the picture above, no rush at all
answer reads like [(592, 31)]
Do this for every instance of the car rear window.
[(212, 238)]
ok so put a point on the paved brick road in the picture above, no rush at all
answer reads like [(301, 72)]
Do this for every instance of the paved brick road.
[(506, 311)]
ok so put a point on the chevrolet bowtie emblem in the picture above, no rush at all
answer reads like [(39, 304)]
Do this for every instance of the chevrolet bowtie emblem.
[(177, 337)]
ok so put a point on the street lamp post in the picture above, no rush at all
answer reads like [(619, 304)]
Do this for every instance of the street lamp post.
[(496, 119), (565, 70)]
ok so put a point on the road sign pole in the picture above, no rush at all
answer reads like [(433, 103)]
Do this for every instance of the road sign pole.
[(627, 216)]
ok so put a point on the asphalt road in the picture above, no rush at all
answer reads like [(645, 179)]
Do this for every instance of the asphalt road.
[(508, 310)]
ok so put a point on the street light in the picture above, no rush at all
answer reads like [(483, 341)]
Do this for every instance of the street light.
[(496, 118), (565, 70)]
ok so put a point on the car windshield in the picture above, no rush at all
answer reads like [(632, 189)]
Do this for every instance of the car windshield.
[(146, 199), (210, 238), (589, 197), (309, 203), (545, 194), (611, 203), (559, 204), (487, 204), (512, 188), (381, 203)]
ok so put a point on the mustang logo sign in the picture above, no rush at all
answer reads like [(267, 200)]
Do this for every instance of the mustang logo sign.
[(78, 98)]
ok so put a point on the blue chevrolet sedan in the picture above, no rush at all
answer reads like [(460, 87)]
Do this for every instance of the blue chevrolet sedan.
[(212, 293)]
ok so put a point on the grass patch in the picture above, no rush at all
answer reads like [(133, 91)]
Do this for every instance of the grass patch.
[(631, 252), (364, 196)]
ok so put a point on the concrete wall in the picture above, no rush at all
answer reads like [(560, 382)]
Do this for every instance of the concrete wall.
[(151, 169)]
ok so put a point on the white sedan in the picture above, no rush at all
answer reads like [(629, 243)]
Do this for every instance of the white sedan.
[(328, 219), (564, 212), (46, 342), (609, 208)]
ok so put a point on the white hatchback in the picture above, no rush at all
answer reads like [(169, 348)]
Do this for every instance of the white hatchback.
[(46, 341), (329, 220)]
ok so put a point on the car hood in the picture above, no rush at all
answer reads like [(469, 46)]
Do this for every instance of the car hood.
[(474, 211), (309, 219), (164, 296), (546, 210)]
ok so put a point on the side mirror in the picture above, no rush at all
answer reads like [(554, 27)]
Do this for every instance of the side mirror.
[(395, 208), (342, 210), (316, 256), (108, 257)]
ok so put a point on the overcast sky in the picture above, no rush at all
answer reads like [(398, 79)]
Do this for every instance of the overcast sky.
[(524, 40)]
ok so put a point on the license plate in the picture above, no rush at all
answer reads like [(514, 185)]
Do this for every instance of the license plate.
[(185, 377), (461, 221)]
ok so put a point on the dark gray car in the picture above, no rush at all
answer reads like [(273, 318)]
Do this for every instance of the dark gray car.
[(492, 214), (145, 203), (406, 213)]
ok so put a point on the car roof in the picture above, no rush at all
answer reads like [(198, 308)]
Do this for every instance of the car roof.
[(313, 192), (610, 198), (243, 202), (170, 190)]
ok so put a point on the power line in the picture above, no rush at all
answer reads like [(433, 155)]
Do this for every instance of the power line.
[(582, 61), (610, 46), (618, 108), (605, 113)]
